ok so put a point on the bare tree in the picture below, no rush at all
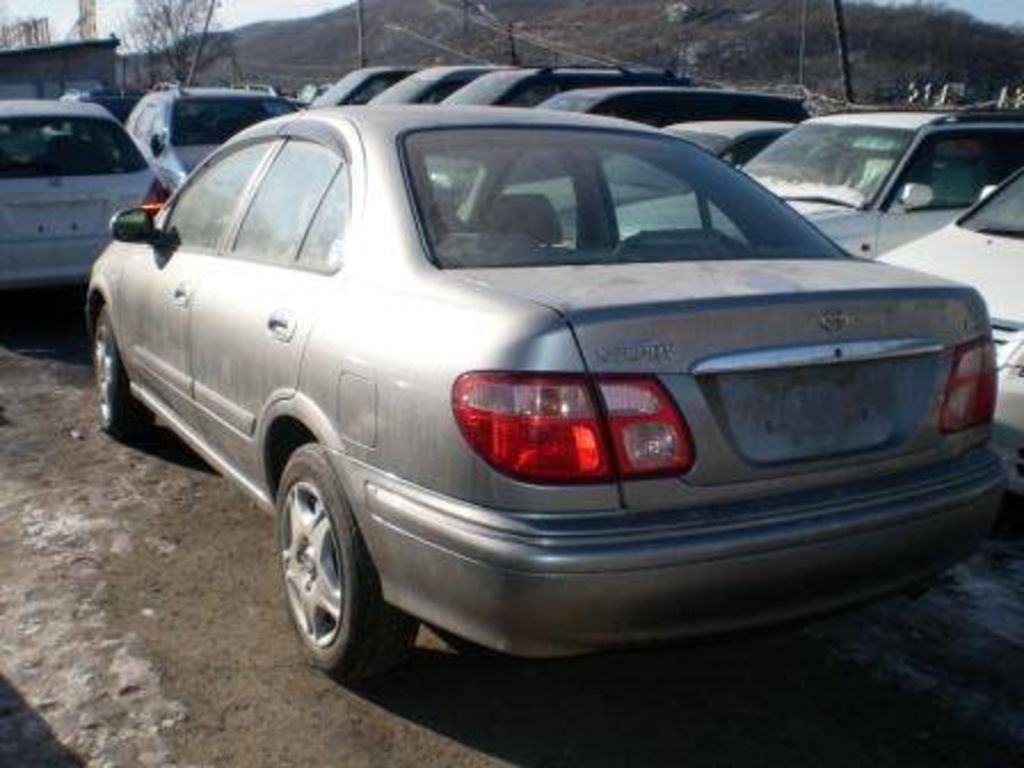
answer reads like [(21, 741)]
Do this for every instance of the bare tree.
[(169, 33)]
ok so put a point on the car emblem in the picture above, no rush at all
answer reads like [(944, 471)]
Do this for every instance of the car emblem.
[(834, 320), (650, 351)]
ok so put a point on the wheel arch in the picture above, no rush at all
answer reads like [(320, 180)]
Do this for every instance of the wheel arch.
[(287, 425), (96, 299)]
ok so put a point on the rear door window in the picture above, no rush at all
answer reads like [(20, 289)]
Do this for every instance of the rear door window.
[(206, 207), (323, 248), (285, 203), (65, 146)]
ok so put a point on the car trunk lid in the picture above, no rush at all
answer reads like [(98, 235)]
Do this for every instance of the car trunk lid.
[(778, 366)]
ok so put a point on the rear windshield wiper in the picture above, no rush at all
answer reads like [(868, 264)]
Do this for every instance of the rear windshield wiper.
[(820, 199)]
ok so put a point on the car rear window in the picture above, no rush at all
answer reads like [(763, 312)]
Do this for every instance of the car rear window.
[(213, 121), (65, 146), (661, 108), (515, 197)]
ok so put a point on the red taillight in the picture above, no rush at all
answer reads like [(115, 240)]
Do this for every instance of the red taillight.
[(534, 427), (546, 427), (156, 198), (649, 435), (970, 399)]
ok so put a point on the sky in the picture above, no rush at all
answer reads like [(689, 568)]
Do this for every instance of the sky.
[(235, 13)]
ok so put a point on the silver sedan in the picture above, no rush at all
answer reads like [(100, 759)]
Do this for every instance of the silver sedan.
[(547, 382)]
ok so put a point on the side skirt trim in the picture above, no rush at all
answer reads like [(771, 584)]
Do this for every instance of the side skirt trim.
[(196, 443)]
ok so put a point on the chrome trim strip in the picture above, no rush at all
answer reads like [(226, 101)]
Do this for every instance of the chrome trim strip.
[(815, 354)]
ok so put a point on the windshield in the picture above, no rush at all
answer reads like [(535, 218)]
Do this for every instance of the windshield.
[(62, 146), (214, 121), (506, 197), (831, 163), (1001, 214)]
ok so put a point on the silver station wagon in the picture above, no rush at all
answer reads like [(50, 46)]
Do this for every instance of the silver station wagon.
[(547, 382)]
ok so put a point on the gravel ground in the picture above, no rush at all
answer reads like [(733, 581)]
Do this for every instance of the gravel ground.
[(141, 624)]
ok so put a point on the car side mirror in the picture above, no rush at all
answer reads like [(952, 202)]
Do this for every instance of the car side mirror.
[(157, 144), (914, 197), (135, 225)]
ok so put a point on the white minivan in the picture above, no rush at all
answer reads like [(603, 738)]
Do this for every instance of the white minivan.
[(65, 169)]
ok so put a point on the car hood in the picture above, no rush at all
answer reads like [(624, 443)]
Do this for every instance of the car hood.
[(992, 265), (819, 212)]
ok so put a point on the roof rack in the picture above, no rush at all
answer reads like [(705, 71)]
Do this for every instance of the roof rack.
[(626, 70)]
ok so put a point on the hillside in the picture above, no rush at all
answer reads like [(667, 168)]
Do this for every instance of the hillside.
[(750, 42)]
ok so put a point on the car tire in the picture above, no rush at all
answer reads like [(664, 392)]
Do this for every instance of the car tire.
[(332, 588), (121, 415)]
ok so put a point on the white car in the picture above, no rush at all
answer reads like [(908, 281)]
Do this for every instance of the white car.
[(873, 181), (65, 169), (985, 249)]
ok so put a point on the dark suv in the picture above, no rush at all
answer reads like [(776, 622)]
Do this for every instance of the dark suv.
[(665, 106), (529, 87)]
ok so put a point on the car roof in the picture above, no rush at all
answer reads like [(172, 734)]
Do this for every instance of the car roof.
[(729, 128), (895, 119), (46, 108), (376, 70), (599, 94), (439, 73), (212, 93)]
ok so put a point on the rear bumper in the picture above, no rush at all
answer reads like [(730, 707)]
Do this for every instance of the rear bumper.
[(58, 261), (544, 589), (1008, 431)]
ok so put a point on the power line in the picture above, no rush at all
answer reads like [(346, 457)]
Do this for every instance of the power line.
[(542, 43), (434, 44)]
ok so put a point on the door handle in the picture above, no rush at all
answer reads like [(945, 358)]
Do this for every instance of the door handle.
[(182, 295), (281, 325)]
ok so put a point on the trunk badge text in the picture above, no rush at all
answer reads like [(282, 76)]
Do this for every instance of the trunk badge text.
[(638, 352), (834, 320)]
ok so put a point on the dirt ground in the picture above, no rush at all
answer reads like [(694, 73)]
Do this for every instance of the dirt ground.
[(141, 624)]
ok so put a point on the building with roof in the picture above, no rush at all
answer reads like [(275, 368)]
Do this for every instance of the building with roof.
[(47, 71)]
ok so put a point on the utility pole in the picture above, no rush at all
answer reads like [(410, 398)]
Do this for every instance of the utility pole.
[(844, 54), (202, 42), (361, 32), (802, 73), (513, 54)]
